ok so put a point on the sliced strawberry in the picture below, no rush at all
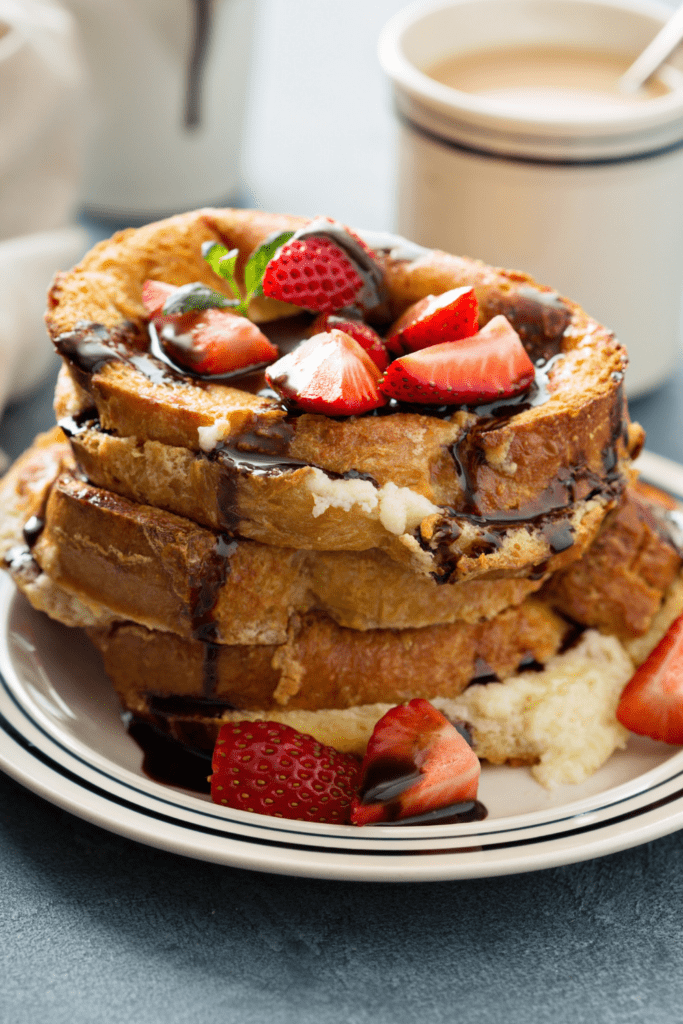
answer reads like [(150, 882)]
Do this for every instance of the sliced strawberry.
[(268, 768), (359, 331), (154, 295), (490, 364), (214, 341), (434, 320), (416, 762), (652, 702), (329, 374)]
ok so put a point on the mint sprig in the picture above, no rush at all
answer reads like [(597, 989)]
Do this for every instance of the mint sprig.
[(223, 260)]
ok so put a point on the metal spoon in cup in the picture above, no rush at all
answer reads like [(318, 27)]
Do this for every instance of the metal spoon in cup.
[(654, 55)]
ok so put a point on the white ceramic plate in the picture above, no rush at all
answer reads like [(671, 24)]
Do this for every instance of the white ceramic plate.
[(61, 736)]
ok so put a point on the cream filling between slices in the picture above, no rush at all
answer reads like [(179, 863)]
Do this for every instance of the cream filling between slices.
[(399, 509), (210, 437)]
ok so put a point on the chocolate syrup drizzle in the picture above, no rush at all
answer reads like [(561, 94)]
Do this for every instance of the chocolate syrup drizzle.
[(262, 448), (166, 760), (205, 584), (540, 319), (388, 777), (19, 559), (33, 527)]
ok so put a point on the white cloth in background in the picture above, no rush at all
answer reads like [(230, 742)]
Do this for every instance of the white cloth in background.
[(42, 129), (27, 265), (42, 135)]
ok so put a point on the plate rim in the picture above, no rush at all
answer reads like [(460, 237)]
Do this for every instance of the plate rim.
[(28, 755)]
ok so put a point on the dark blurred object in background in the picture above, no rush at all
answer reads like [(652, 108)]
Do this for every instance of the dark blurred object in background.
[(168, 89)]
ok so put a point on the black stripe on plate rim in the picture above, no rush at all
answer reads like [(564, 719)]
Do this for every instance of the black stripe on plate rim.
[(20, 740), (205, 808), (518, 158)]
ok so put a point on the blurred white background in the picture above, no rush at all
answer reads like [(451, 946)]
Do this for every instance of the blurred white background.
[(320, 129)]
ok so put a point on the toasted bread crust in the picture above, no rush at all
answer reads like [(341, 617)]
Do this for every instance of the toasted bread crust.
[(323, 665), (301, 583), (150, 566), (573, 444), (620, 587)]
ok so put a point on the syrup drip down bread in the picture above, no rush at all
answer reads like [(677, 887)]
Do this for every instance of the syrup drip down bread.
[(274, 499)]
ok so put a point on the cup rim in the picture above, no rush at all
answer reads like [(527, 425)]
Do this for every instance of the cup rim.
[(446, 101)]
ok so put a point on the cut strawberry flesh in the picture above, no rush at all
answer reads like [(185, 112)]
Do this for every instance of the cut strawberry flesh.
[(214, 341), (652, 702), (434, 320), (491, 364), (367, 338), (330, 374), (154, 295), (416, 762)]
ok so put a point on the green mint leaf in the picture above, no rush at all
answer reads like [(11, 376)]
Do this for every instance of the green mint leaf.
[(259, 260), (192, 297), (222, 261)]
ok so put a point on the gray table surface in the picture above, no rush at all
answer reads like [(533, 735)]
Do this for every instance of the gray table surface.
[(95, 928)]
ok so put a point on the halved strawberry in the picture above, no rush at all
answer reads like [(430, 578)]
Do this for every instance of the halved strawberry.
[(435, 319), (416, 762), (314, 273), (490, 364), (652, 702), (330, 374), (154, 295), (359, 331), (268, 768), (214, 341)]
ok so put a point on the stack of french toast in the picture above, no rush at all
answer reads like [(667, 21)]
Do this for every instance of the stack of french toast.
[(234, 557)]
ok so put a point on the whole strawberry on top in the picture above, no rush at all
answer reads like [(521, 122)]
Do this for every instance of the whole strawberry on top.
[(269, 768), (325, 267)]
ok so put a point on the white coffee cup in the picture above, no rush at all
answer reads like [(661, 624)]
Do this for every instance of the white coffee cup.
[(41, 114), (590, 203), (169, 86)]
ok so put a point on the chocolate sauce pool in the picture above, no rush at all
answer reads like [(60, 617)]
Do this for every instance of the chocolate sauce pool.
[(169, 762)]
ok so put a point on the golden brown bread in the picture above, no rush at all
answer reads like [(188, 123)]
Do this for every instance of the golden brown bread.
[(281, 621), (323, 665), (167, 573), (561, 452), (620, 586), (303, 508), (25, 487)]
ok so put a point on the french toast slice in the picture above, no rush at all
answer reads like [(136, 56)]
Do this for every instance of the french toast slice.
[(304, 508), (167, 573), (519, 467), (560, 721), (186, 687), (323, 665), (636, 556)]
